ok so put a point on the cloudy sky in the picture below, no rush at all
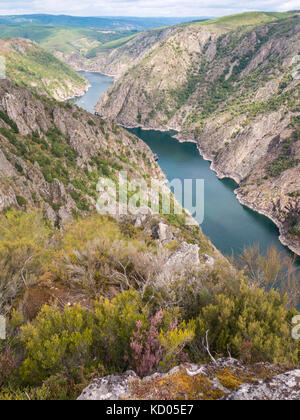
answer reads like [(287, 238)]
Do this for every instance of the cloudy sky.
[(144, 7)]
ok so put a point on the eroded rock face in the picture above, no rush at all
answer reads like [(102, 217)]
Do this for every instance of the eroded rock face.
[(281, 388), (59, 193), (226, 379)]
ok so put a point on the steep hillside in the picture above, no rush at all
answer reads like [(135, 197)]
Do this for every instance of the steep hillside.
[(228, 85), (29, 65), (114, 59), (53, 154)]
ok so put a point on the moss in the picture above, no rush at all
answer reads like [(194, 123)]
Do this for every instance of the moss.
[(229, 380), (179, 386)]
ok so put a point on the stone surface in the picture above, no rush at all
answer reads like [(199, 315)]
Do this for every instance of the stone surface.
[(163, 233), (114, 387), (185, 255), (280, 388), (207, 260), (221, 380)]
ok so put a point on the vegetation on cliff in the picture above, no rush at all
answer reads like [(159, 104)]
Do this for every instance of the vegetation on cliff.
[(66, 149), (30, 66)]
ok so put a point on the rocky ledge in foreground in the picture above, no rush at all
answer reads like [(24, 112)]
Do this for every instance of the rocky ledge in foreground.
[(226, 379)]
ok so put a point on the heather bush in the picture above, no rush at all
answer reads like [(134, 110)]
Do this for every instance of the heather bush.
[(8, 366), (157, 348)]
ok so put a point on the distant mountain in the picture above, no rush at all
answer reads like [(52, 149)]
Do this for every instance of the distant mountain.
[(105, 23)]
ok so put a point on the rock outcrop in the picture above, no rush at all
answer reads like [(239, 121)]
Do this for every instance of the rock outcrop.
[(226, 379), (163, 233), (113, 387), (280, 388)]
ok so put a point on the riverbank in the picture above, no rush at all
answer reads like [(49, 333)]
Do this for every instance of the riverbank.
[(241, 198)]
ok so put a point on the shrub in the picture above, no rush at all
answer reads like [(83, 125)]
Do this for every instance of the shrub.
[(23, 254), (56, 343), (157, 347), (96, 257), (21, 201), (252, 316), (8, 121), (116, 322), (7, 366)]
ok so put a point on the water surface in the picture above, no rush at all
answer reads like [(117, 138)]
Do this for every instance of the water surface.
[(229, 225), (99, 84)]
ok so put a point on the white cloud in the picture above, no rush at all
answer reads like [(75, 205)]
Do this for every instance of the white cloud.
[(143, 7)]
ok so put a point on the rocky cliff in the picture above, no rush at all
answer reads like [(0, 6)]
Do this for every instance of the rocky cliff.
[(53, 154), (229, 85), (115, 61), (29, 65)]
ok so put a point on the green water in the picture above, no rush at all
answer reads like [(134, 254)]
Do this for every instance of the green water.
[(229, 225)]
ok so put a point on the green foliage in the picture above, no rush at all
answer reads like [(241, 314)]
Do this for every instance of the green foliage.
[(174, 340), (247, 18), (295, 193), (34, 66), (75, 340), (115, 323), (67, 39), (92, 53), (8, 121), (56, 343), (254, 317), (285, 160), (23, 237), (21, 201)]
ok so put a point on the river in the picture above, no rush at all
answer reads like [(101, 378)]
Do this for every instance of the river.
[(229, 225)]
